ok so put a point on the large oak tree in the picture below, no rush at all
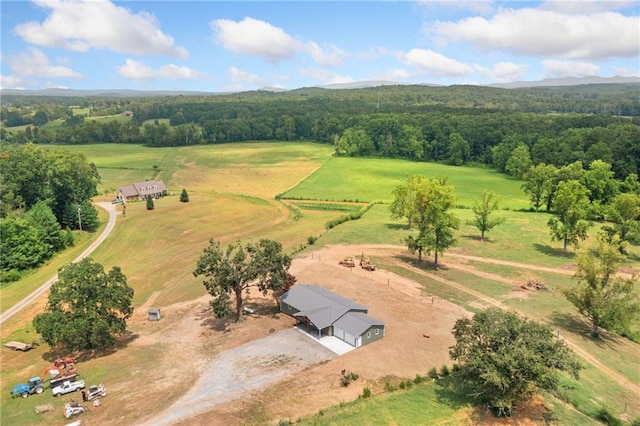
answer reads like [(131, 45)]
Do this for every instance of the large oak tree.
[(504, 358), (87, 308), (238, 268)]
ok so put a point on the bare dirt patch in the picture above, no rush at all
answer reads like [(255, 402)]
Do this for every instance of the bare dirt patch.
[(417, 338)]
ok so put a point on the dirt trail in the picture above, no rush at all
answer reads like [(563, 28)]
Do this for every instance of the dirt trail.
[(618, 378)]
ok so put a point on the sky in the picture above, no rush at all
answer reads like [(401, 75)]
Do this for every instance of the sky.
[(223, 46)]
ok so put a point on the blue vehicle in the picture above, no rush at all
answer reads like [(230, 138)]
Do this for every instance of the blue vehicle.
[(35, 385)]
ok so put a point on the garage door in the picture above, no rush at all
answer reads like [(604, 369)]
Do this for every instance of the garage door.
[(343, 335)]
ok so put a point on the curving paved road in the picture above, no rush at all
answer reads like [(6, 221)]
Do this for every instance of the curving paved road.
[(110, 208)]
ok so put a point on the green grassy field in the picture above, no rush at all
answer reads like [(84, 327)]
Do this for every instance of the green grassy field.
[(367, 179), (232, 192)]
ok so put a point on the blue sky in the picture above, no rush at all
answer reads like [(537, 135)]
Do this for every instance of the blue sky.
[(221, 46)]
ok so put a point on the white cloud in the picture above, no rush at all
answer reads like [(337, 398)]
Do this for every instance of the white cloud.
[(239, 76), (626, 72), (80, 25), (560, 69), (547, 33), (477, 6), (506, 72), (255, 37), (135, 70), (35, 63), (435, 63), (328, 56), (375, 53), (9, 82), (324, 76), (587, 6)]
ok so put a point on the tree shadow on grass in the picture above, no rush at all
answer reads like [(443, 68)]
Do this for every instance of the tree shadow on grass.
[(475, 237), (569, 322), (426, 264), (397, 226), (208, 319), (449, 392), (122, 341), (553, 251), (577, 325)]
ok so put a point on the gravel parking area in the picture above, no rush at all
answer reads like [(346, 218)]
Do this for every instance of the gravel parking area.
[(246, 368)]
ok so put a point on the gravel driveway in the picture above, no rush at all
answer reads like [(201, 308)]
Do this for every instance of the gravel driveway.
[(244, 369)]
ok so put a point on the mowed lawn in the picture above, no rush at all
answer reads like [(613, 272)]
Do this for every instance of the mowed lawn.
[(373, 179)]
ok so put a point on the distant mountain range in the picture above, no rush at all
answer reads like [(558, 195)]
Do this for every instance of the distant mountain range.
[(553, 82), (569, 81)]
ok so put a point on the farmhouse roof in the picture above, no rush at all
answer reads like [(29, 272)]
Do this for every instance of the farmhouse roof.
[(356, 323), (150, 187), (143, 188), (321, 306)]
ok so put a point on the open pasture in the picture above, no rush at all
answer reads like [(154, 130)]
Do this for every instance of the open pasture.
[(232, 191), (373, 179)]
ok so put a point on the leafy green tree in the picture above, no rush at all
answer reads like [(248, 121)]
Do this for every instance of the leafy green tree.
[(21, 245), (505, 358), (631, 184), (519, 161), (73, 180), (483, 211), (434, 199), (459, 149), (87, 308), (80, 215), (403, 205), (184, 197), (238, 268), (599, 180), (604, 298), (500, 153), (40, 117), (150, 205), (25, 173), (624, 212), (570, 205), (539, 184), (355, 141), (42, 218)]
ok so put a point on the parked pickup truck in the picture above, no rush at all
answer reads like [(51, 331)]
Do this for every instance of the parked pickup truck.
[(67, 387)]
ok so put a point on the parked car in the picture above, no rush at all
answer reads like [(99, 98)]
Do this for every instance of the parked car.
[(68, 387)]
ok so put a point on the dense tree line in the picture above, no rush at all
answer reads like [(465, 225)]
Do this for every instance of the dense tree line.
[(44, 194), (455, 125)]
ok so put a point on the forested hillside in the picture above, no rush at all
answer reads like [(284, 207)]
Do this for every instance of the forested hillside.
[(455, 124)]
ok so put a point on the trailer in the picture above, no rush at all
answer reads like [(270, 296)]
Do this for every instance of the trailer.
[(58, 380), (20, 346)]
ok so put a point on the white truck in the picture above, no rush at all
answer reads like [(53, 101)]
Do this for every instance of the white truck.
[(67, 387)]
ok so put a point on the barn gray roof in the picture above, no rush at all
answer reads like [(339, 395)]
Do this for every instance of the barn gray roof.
[(321, 306), (356, 323)]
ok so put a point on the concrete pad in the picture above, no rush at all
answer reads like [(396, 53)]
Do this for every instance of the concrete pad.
[(332, 343)]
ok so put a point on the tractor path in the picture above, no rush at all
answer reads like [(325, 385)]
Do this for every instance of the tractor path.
[(618, 378)]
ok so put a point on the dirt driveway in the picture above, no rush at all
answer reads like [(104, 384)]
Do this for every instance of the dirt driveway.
[(239, 371)]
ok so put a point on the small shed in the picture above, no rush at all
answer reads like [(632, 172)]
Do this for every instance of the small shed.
[(154, 314)]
